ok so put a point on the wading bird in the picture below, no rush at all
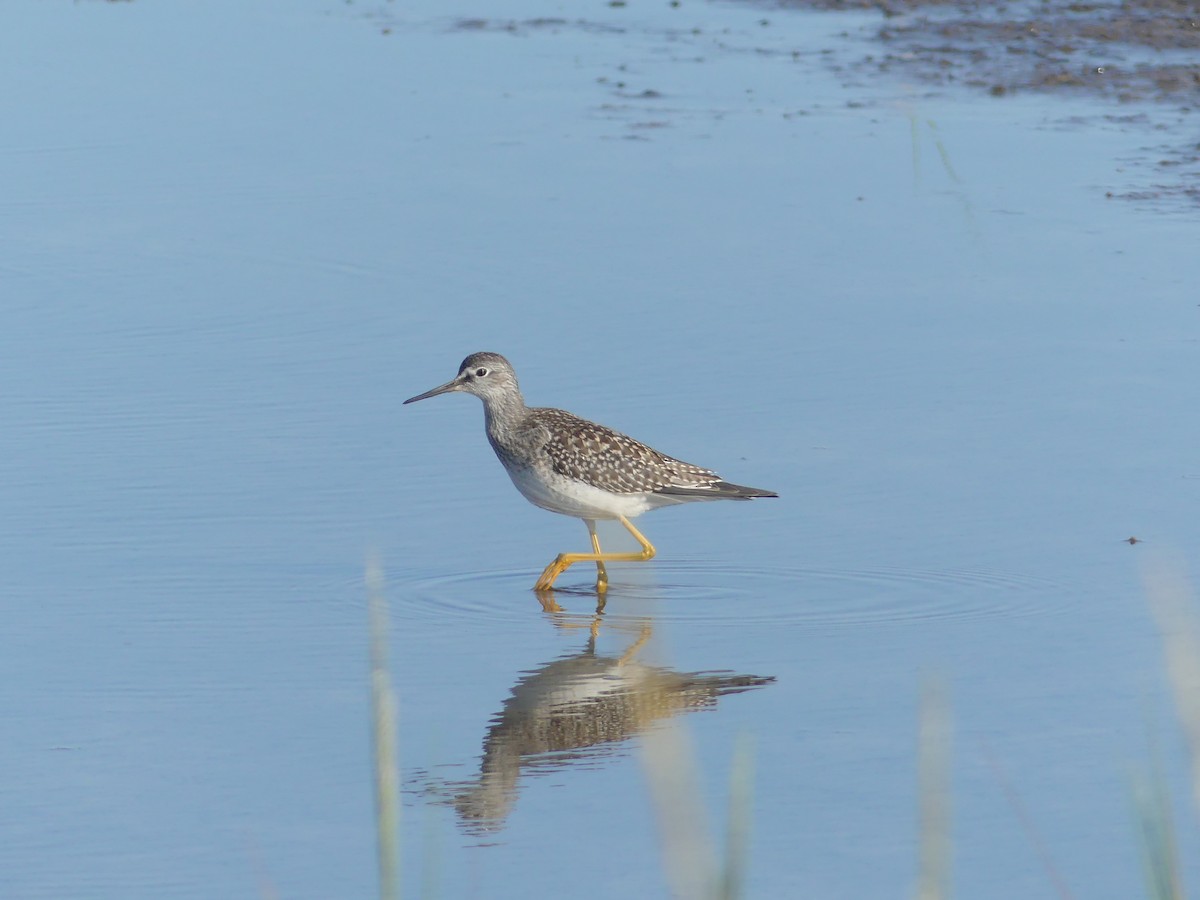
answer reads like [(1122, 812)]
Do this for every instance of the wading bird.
[(571, 466)]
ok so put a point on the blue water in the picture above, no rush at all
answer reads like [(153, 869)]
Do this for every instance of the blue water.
[(236, 236)]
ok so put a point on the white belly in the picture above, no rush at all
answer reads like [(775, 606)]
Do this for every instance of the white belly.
[(574, 498)]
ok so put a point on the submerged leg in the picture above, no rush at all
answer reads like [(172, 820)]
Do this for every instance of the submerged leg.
[(564, 561), (601, 572)]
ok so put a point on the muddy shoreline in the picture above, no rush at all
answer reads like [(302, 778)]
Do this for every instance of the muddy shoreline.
[(1143, 56)]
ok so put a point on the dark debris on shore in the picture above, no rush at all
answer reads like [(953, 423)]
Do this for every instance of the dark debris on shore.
[(1130, 52)]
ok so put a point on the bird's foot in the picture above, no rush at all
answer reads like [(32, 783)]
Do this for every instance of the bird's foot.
[(550, 574)]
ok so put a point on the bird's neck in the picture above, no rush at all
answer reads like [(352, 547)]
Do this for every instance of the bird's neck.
[(503, 413)]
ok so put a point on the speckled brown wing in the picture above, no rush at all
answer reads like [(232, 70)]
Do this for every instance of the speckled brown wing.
[(612, 461)]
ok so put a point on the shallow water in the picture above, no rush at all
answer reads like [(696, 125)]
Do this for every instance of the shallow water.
[(968, 375)]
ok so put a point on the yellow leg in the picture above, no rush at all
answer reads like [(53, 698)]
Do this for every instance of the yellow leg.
[(564, 561), (601, 572)]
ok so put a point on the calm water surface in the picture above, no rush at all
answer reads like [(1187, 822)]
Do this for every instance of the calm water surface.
[(968, 375)]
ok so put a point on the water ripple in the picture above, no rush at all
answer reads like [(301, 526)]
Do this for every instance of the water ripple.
[(698, 591)]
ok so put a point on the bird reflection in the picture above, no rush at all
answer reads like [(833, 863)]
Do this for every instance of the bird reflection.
[(577, 708)]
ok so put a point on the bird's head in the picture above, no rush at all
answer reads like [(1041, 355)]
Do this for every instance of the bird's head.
[(486, 375)]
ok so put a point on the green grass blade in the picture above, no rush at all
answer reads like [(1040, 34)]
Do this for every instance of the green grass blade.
[(741, 798), (1171, 602), (1160, 856), (383, 733), (933, 781)]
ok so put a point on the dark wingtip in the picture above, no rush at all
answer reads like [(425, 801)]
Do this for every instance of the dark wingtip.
[(742, 492), (717, 490)]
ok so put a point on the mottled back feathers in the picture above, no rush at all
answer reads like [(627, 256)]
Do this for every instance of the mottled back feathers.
[(614, 462)]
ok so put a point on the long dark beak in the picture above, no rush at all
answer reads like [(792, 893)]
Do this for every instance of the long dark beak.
[(454, 385)]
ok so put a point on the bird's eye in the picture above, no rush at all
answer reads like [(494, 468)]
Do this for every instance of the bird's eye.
[(481, 372)]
